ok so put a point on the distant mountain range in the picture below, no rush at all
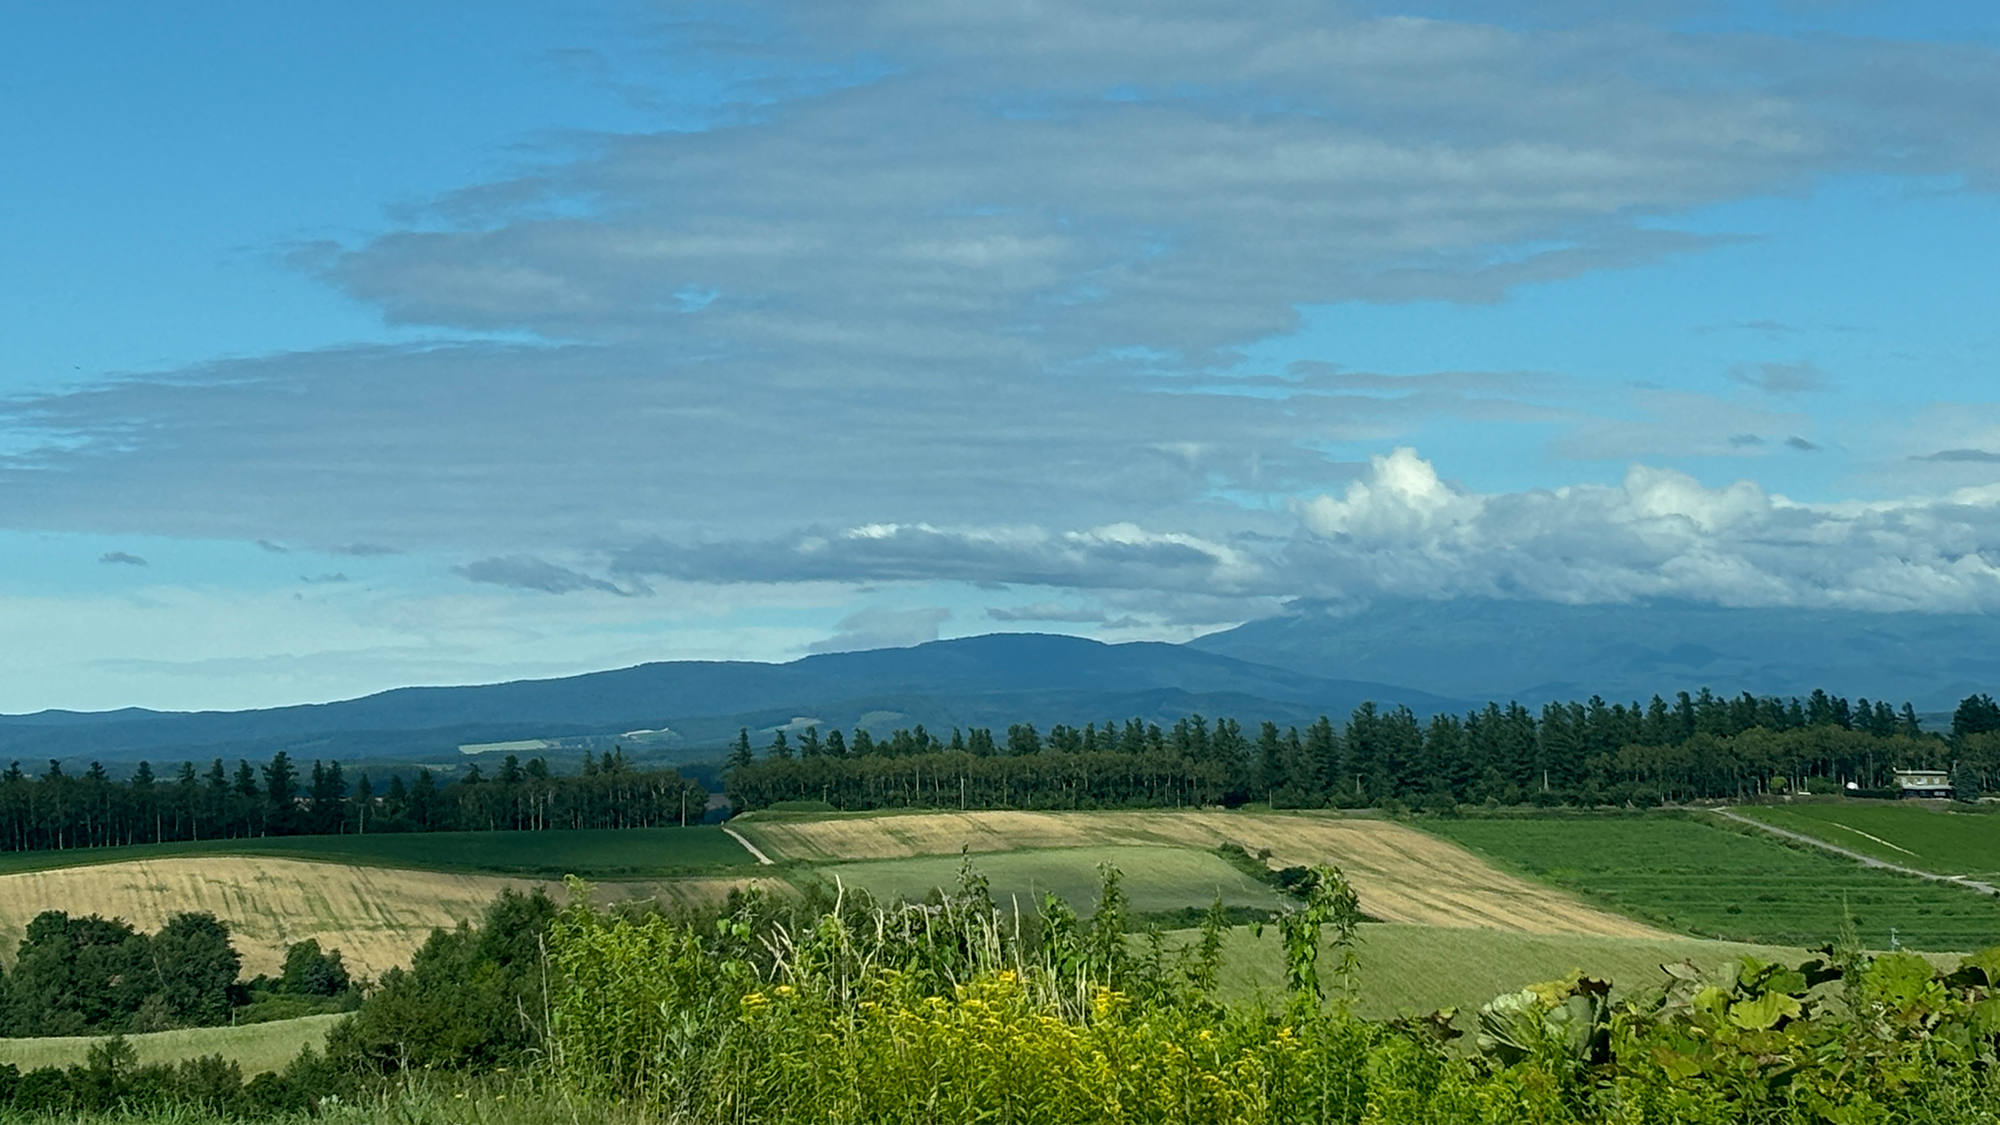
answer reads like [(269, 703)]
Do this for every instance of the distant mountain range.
[(696, 705), (1315, 659), (1539, 651)]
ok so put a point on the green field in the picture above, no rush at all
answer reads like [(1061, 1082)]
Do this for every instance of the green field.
[(1157, 879), (607, 853), (1946, 843), (256, 1047), (1685, 874), (1405, 969)]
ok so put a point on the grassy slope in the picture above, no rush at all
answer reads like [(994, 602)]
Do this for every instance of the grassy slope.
[(1423, 968), (1690, 876), (1947, 843), (257, 1047), (592, 853), (1156, 879)]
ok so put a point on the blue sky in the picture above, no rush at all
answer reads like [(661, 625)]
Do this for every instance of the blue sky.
[(350, 346)]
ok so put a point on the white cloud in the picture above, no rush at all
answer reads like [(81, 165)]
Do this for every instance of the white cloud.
[(1660, 534)]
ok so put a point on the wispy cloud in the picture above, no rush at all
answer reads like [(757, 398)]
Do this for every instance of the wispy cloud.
[(1045, 611), (884, 628), (525, 572), (121, 558), (1981, 456), (1781, 378)]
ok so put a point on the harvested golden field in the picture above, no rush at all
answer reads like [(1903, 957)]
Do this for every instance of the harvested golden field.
[(375, 916), (1402, 875)]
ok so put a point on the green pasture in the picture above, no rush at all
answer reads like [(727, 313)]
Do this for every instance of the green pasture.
[(1929, 839), (603, 853), (256, 1047), (1404, 969), (1685, 874), (1157, 879)]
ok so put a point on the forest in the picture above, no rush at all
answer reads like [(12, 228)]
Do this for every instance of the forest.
[(60, 810), (1696, 747)]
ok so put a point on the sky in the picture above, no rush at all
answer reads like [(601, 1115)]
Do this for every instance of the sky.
[(350, 346)]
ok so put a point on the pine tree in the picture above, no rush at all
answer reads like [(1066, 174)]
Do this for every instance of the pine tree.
[(740, 753)]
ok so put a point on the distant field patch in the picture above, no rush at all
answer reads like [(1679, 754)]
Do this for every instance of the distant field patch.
[(1424, 968), (1402, 875), (1946, 843), (256, 1047), (1687, 875), (1155, 878), (606, 853)]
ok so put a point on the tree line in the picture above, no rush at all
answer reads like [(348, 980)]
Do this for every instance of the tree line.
[(1697, 746), (61, 810)]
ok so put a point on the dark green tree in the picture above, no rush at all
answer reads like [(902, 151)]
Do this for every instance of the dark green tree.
[(194, 967)]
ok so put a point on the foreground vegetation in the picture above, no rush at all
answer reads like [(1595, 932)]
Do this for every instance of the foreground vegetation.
[(950, 1013), (1687, 874)]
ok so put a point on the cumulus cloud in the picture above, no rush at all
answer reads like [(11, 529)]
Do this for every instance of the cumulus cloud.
[(884, 628), (1661, 533), (120, 557), (1801, 444), (526, 572)]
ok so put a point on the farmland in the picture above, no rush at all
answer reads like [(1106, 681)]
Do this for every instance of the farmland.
[(1945, 843), (1467, 910), (1402, 875), (1690, 876)]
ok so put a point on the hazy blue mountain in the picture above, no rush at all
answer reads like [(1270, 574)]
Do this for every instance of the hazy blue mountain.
[(1536, 651), (987, 681)]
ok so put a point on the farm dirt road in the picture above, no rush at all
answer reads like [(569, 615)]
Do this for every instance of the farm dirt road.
[(1401, 875)]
